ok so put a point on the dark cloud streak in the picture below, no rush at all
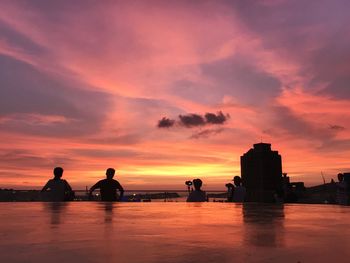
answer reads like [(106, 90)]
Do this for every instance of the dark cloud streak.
[(193, 120), (220, 118), (336, 127), (165, 123)]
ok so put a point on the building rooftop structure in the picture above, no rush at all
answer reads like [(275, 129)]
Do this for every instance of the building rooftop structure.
[(261, 172)]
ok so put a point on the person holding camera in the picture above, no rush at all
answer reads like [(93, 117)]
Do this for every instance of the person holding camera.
[(239, 191), (236, 192), (197, 195), (230, 191)]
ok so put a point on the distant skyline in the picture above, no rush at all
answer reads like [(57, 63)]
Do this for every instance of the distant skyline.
[(167, 91)]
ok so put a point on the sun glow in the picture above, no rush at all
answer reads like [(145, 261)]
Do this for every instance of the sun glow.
[(88, 92)]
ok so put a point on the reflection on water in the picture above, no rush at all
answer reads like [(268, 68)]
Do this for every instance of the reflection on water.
[(263, 224), (172, 232), (56, 210), (108, 207)]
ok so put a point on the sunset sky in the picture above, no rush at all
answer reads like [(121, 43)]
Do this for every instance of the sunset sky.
[(84, 84)]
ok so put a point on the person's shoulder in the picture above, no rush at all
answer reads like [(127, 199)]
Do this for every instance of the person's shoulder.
[(100, 182), (199, 193), (190, 197), (191, 193), (65, 182), (196, 196), (115, 181)]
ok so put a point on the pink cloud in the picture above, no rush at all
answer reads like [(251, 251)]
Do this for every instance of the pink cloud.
[(273, 71)]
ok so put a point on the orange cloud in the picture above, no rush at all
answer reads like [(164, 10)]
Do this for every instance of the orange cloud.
[(84, 89)]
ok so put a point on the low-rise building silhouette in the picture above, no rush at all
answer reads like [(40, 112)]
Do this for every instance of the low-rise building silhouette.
[(261, 172)]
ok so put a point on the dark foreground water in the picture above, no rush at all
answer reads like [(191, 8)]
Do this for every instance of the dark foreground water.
[(173, 232)]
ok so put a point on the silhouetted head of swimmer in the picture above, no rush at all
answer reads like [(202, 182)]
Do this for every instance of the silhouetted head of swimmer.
[(197, 183), (110, 173), (58, 172)]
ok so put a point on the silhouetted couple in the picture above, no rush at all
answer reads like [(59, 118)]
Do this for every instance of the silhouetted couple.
[(236, 192), (60, 190)]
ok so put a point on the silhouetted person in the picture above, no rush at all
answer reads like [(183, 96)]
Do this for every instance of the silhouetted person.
[(239, 190), (230, 189), (60, 190), (197, 195), (108, 187), (347, 181), (342, 191)]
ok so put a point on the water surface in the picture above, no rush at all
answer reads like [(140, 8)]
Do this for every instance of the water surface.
[(173, 232)]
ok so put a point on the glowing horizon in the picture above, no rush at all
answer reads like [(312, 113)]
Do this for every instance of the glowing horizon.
[(84, 85)]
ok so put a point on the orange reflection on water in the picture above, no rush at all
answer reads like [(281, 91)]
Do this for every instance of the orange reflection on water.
[(172, 232)]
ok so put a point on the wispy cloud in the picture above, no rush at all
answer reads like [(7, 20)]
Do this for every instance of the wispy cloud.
[(85, 84), (336, 127), (206, 133)]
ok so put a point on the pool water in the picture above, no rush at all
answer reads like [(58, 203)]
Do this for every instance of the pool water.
[(173, 232)]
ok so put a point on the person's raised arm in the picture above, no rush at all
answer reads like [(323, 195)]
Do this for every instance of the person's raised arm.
[(46, 186), (68, 187), (95, 186), (121, 190)]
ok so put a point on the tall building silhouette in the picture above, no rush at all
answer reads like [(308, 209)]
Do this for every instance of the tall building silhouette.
[(261, 172)]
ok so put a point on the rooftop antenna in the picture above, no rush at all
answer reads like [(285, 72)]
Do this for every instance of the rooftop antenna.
[(324, 181), (324, 189)]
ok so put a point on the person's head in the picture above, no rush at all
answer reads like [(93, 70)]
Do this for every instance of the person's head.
[(229, 185), (110, 173), (340, 177), (237, 180), (58, 172), (197, 183)]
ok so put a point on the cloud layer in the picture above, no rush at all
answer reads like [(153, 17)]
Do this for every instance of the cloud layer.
[(84, 87)]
